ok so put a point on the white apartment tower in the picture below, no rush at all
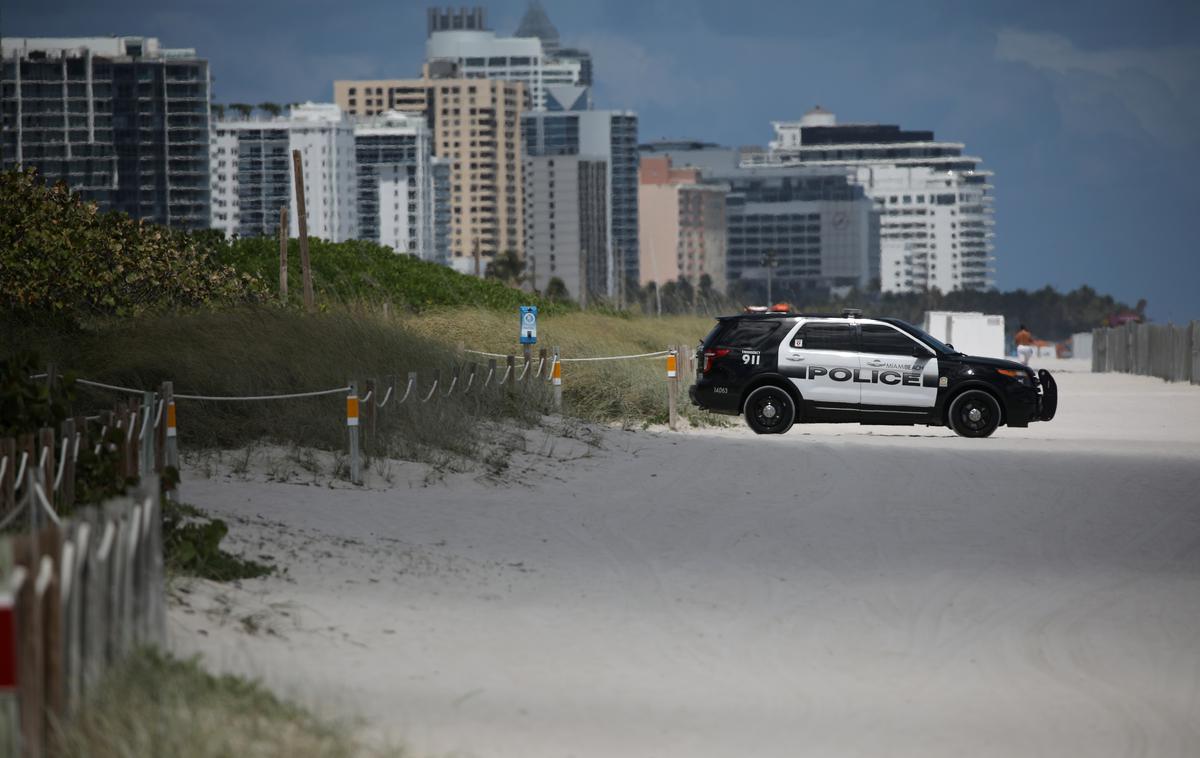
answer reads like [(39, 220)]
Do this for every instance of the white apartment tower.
[(935, 202), (252, 173), (396, 191)]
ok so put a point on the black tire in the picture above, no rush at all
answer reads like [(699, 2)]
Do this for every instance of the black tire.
[(770, 410), (974, 413)]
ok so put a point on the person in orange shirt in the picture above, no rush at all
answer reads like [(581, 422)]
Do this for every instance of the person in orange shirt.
[(1024, 342)]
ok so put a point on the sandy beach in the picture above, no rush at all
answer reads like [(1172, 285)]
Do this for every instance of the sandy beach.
[(837, 591)]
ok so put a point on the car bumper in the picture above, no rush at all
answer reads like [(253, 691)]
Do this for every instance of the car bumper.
[(1025, 405), (706, 397), (1048, 402)]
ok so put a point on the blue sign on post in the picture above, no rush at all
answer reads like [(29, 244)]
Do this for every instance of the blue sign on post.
[(528, 324)]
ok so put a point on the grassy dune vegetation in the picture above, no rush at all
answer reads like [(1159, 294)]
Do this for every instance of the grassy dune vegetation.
[(264, 350), (630, 392), (154, 705)]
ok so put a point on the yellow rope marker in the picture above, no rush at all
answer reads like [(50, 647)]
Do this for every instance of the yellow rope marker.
[(557, 374), (672, 365), (352, 410), (171, 419)]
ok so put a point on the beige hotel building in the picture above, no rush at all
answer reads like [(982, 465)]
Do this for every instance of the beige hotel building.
[(476, 124)]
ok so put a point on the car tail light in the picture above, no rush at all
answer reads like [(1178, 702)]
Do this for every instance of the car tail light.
[(712, 355)]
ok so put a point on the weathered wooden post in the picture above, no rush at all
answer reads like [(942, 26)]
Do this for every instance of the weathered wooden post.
[(12, 585), (370, 416), (283, 255), (302, 222), (147, 433), (8, 452), (66, 488), (47, 449)]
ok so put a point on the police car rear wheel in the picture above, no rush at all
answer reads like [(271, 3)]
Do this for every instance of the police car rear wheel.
[(770, 410), (974, 413)]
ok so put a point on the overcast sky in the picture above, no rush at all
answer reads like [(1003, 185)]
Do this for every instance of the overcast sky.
[(1088, 112)]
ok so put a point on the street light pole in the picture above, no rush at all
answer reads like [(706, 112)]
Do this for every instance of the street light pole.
[(769, 262)]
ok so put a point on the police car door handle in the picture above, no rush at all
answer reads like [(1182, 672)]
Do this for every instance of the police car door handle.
[(795, 357)]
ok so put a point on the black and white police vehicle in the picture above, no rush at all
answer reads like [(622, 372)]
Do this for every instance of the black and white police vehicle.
[(783, 368)]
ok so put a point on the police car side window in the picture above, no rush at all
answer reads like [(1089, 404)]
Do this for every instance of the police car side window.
[(825, 337), (746, 333), (884, 340)]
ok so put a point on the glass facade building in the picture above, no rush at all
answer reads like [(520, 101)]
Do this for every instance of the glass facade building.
[(121, 120)]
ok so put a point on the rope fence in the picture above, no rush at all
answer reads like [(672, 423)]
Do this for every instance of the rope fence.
[(154, 419)]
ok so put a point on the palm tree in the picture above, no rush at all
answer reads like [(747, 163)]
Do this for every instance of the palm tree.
[(556, 290), (274, 109), (506, 267), (244, 109)]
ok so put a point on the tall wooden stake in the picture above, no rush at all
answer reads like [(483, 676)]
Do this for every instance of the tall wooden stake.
[(302, 221), (283, 263)]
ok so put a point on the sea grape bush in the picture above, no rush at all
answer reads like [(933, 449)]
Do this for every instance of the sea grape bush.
[(63, 257)]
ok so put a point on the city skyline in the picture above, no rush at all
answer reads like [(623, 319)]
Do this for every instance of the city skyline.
[(1087, 113)]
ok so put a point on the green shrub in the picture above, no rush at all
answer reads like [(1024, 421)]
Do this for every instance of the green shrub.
[(62, 257), (360, 271), (192, 546)]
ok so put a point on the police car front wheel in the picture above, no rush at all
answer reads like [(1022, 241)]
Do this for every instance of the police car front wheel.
[(770, 410), (974, 413)]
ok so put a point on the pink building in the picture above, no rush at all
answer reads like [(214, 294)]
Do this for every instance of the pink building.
[(681, 225)]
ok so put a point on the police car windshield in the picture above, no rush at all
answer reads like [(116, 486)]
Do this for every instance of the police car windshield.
[(925, 337)]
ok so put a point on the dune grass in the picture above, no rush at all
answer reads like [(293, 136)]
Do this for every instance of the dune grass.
[(629, 391), (267, 350), (156, 705)]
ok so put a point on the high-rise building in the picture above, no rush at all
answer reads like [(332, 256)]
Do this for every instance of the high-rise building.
[(682, 225), (475, 125), (122, 120), (936, 202), (532, 57), (252, 174), (566, 224), (812, 227), (608, 136), (396, 183)]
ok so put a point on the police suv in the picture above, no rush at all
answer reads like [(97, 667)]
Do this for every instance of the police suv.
[(783, 368)]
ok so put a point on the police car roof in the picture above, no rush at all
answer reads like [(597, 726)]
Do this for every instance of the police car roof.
[(776, 314)]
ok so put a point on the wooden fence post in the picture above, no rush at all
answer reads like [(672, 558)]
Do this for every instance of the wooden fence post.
[(14, 580), (46, 445), (302, 222), (30, 640), (66, 488), (369, 438), (50, 541), (8, 452), (283, 254)]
